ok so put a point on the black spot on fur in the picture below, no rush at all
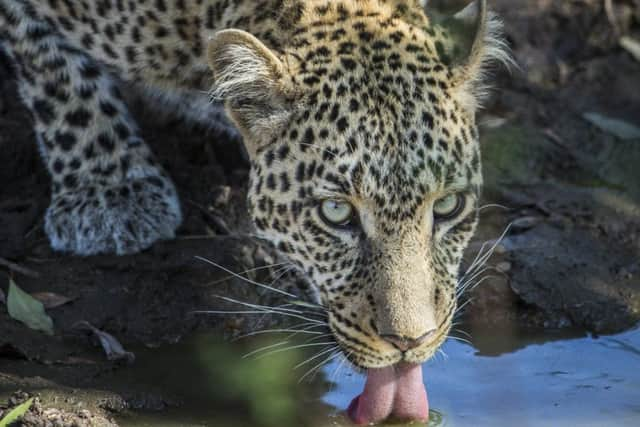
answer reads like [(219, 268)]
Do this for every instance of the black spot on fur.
[(79, 117)]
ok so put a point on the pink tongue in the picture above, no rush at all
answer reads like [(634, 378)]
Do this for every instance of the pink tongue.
[(396, 391)]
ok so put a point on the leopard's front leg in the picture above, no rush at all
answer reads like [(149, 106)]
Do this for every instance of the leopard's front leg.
[(109, 195)]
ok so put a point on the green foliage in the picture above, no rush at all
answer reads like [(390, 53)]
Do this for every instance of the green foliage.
[(511, 155), (265, 384), (16, 412)]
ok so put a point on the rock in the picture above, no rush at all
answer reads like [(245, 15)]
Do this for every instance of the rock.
[(221, 196), (503, 267), (500, 249), (524, 223), (568, 274), (40, 416)]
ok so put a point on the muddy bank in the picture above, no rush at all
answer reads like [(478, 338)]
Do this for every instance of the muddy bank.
[(570, 190)]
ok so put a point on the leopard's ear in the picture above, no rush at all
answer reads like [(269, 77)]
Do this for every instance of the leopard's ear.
[(253, 84), (473, 41)]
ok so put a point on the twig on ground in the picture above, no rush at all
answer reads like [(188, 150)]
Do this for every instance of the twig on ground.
[(219, 224), (611, 16), (18, 268), (39, 224), (632, 46)]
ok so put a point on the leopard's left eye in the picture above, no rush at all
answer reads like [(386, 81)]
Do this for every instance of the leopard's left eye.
[(337, 212), (448, 207)]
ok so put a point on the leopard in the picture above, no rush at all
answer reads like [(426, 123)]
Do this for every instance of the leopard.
[(359, 120)]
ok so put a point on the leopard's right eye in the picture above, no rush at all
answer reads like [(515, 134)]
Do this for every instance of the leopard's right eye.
[(448, 207), (336, 213)]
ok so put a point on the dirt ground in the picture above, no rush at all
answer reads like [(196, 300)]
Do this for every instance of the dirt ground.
[(570, 190)]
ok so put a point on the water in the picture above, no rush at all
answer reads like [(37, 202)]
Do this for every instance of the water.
[(572, 382), (503, 380)]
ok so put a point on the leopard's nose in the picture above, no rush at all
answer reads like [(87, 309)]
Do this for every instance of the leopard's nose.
[(403, 343)]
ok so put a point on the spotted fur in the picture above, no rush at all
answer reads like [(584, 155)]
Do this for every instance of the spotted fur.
[(371, 102)]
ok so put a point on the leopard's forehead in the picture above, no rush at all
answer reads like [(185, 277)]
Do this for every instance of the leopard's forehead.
[(379, 120)]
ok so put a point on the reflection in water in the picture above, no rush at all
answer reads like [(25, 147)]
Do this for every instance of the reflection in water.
[(215, 386), (567, 382)]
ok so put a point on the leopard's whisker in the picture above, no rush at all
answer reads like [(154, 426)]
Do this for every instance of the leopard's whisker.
[(293, 347), (482, 280), (472, 286), (444, 355), (314, 357), (280, 331), (475, 260), (229, 312), (253, 305), (296, 327), (301, 303), (292, 332), (319, 365), (336, 372), (255, 312), (479, 264), (457, 330), (316, 309), (493, 205), (309, 328), (461, 307), (462, 286), (264, 348), (464, 340), (319, 337), (281, 272), (250, 270), (299, 314), (481, 259), (302, 328), (261, 285)]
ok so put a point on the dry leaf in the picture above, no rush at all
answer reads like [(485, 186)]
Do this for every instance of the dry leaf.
[(28, 310), (51, 299), (73, 361), (632, 46), (617, 127), (493, 122), (525, 223), (111, 346)]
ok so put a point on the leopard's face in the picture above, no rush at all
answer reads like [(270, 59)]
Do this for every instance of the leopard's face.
[(365, 162), (371, 189)]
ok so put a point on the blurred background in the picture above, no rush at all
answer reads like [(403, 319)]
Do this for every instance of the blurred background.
[(561, 153)]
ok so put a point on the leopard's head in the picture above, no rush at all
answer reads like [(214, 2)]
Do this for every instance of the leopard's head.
[(360, 125)]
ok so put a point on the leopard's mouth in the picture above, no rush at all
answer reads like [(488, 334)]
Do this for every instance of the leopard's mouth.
[(397, 391), (395, 388)]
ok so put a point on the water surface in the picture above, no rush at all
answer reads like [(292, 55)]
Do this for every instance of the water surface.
[(569, 382), (525, 379)]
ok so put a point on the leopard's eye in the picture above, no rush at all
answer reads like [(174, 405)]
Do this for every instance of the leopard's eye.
[(336, 212), (448, 207)]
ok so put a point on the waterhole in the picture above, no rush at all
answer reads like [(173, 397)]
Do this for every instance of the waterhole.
[(499, 378)]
